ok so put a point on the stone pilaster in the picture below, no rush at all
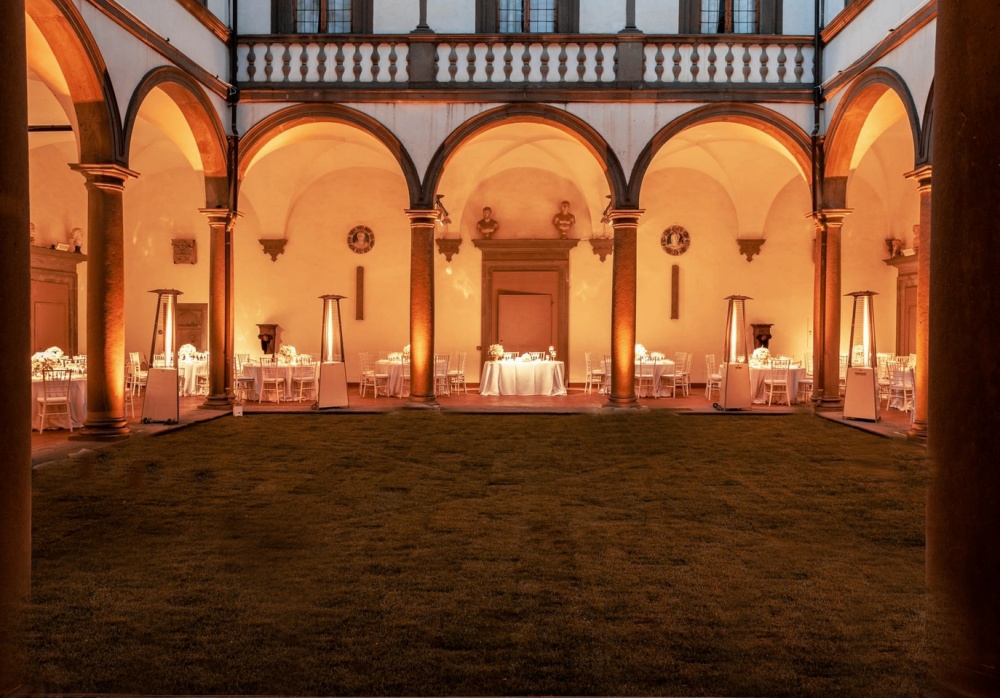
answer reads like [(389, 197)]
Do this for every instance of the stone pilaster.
[(15, 379), (422, 224), (923, 177), (826, 308), (623, 308), (963, 499), (105, 301)]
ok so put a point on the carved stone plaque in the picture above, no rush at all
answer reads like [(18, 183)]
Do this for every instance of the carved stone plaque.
[(185, 251)]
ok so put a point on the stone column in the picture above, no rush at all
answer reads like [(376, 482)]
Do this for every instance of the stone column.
[(15, 381), (623, 302), (422, 224), (923, 177), (105, 301), (220, 310), (963, 502), (826, 308)]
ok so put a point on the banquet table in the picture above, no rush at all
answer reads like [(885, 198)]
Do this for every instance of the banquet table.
[(284, 371), (759, 375), (648, 369), (77, 404), (188, 370), (394, 369), (522, 378)]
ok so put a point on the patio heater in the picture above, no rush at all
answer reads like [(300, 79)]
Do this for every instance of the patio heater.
[(734, 394), (861, 392), (332, 368), (161, 403)]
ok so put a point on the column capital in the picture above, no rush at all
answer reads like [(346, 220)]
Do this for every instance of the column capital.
[(923, 176), (829, 216), (422, 217), (622, 217), (105, 175), (221, 216)]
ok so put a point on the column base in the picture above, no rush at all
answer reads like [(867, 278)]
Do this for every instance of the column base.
[(917, 432), (421, 402), (103, 430), (216, 402), (627, 403), (828, 405)]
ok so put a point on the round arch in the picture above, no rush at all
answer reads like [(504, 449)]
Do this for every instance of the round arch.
[(852, 112), (266, 129), (99, 131), (529, 113), (783, 130), (201, 118)]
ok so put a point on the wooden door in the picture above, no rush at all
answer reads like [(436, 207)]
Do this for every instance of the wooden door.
[(524, 321), (192, 325), (50, 316)]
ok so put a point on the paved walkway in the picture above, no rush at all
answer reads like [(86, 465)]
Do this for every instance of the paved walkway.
[(56, 445)]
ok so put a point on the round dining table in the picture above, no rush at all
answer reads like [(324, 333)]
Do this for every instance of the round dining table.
[(77, 405)]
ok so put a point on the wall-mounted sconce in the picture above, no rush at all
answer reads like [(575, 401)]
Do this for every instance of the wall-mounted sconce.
[(750, 247), (273, 246), (446, 246)]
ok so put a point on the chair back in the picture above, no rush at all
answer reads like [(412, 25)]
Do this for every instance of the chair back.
[(441, 363), (304, 372), (509, 355), (159, 360), (461, 362), (710, 363), (55, 384), (779, 369), (680, 359)]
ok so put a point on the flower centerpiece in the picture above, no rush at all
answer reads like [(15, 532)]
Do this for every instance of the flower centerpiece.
[(657, 355), (186, 352), (640, 352), (552, 353), (287, 353), (858, 355), (760, 357), (526, 356), (496, 352), (395, 356), (45, 360), (406, 353)]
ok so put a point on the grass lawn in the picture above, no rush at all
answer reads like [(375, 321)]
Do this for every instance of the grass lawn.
[(418, 553)]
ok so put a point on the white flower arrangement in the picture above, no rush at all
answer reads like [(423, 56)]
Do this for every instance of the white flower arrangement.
[(187, 351), (406, 352), (657, 355), (287, 352), (760, 356), (640, 352), (395, 356), (496, 351), (526, 356), (45, 360)]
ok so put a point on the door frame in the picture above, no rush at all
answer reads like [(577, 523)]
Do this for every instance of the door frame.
[(526, 254)]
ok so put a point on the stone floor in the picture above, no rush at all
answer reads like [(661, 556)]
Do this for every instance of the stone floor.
[(55, 445)]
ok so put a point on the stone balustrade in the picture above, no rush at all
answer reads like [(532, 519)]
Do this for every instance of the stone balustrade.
[(490, 61)]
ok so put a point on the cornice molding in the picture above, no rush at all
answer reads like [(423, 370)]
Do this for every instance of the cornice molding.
[(127, 21), (203, 15), (896, 38), (843, 18)]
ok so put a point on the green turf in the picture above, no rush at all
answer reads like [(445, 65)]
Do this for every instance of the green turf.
[(418, 553)]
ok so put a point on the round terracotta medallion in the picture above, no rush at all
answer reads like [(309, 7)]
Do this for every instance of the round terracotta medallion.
[(361, 239), (675, 240)]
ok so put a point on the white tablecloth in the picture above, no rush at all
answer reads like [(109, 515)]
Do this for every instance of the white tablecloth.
[(759, 375), (284, 371), (77, 404), (649, 369), (522, 378), (395, 371), (188, 371)]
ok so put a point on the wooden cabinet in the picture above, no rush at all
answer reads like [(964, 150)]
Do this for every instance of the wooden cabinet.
[(54, 299)]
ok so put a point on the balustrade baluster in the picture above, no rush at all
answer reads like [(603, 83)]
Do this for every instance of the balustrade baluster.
[(782, 70), (562, 62), (545, 63), (251, 60), (799, 59), (676, 58), (694, 63), (268, 68), (452, 63), (508, 62), (304, 62), (321, 63), (376, 57), (599, 62), (286, 63), (357, 63), (526, 61), (713, 57), (470, 67), (338, 62), (729, 62), (490, 57), (581, 62), (658, 59), (393, 68), (764, 58), (746, 62)]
